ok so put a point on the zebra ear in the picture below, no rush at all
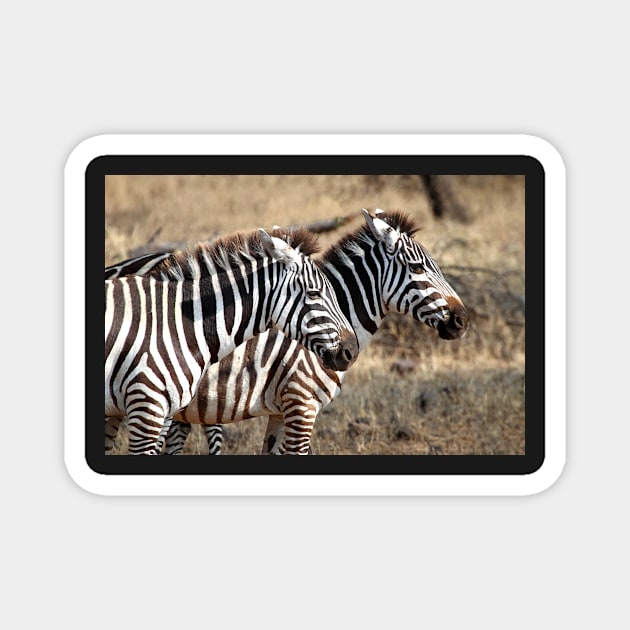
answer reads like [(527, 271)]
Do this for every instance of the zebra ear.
[(382, 231), (279, 249)]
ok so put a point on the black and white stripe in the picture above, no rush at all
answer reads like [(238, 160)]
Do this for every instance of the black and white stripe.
[(163, 331)]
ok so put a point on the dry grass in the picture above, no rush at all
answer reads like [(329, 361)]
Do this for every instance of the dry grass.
[(455, 397)]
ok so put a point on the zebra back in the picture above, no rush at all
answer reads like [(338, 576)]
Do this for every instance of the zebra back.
[(139, 266)]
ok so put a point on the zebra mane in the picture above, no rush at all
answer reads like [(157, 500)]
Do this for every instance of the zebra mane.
[(350, 245), (227, 252), (299, 238), (401, 221)]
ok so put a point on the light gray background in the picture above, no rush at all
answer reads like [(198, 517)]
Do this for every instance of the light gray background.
[(72, 70)]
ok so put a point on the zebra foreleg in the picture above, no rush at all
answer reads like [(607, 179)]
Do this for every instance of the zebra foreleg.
[(297, 436), (214, 435), (144, 433), (275, 442), (298, 420), (176, 437), (163, 433), (273, 435), (112, 427)]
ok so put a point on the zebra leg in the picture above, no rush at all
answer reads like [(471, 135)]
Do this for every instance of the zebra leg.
[(163, 433), (273, 435), (299, 418), (297, 436), (176, 437), (274, 442), (111, 431), (144, 433), (214, 435)]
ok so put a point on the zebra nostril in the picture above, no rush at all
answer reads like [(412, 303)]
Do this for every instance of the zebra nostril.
[(347, 355), (458, 321)]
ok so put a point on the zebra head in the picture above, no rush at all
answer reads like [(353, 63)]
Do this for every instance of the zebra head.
[(304, 304), (412, 281)]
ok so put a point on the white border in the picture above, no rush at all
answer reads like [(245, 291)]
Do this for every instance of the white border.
[(314, 144)]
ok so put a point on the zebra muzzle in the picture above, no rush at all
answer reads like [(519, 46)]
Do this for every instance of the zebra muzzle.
[(456, 326), (345, 355)]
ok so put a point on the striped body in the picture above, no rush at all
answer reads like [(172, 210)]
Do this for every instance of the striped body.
[(162, 335), (149, 345), (269, 375), (379, 269)]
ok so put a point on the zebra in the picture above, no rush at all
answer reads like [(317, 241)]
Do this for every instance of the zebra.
[(377, 269), (163, 330), (139, 266)]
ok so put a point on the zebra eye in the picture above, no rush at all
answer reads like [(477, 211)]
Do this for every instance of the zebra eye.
[(313, 294), (416, 268)]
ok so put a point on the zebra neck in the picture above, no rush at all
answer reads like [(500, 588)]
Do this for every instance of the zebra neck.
[(360, 301), (234, 309)]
